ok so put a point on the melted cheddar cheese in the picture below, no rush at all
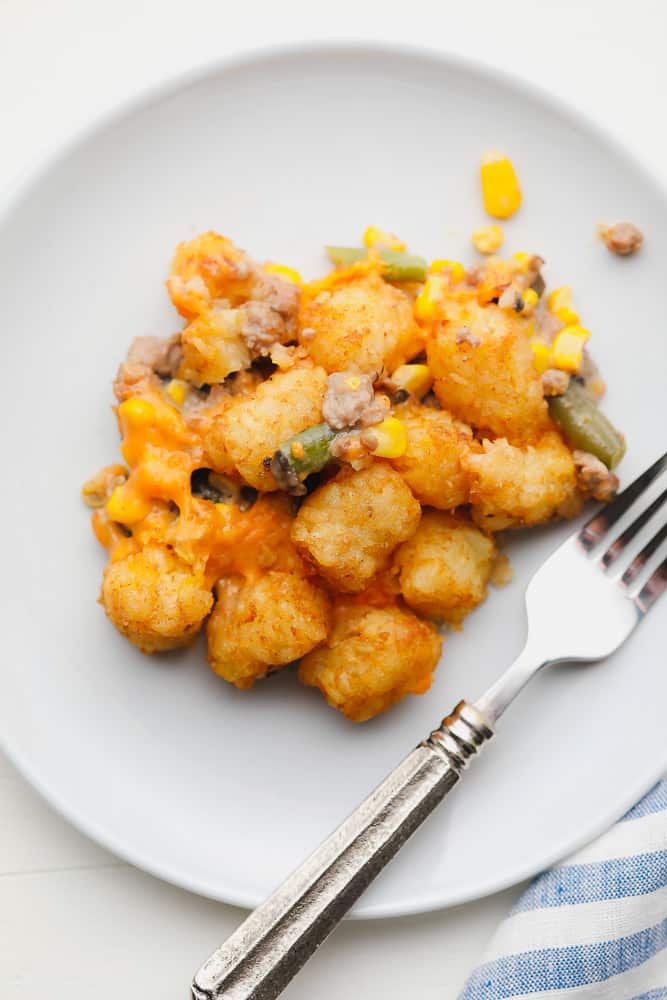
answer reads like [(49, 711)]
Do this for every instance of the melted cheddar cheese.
[(156, 505)]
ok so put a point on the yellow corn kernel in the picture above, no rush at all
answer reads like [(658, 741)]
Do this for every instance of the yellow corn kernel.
[(415, 379), (177, 390), (137, 412), (428, 302), (392, 438), (523, 261), (488, 239), (568, 348), (530, 300), (126, 507), (568, 316), (500, 186), (284, 271), (541, 356), (376, 238), (456, 270), (560, 304)]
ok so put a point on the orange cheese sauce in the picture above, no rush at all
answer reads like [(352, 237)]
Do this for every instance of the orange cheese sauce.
[(156, 505)]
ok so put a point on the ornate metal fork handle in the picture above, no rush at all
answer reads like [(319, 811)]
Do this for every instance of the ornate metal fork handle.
[(600, 602), (278, 938)]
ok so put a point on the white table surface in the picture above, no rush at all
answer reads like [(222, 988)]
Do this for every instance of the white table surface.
[(71, 915)]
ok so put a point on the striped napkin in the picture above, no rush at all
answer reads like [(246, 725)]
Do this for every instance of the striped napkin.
[(595, 927)]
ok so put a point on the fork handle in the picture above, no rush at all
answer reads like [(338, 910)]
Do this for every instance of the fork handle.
[(274, 942)]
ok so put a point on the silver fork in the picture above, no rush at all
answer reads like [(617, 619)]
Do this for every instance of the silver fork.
[(601, 596)]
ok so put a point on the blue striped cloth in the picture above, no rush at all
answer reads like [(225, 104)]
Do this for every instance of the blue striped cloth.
[(595, 927)]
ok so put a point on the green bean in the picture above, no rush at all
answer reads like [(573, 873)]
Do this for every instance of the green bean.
[(208, 485), (400, 266), (299, 456), (585, 425)]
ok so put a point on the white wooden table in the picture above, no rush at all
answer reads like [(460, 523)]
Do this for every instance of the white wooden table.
[(74, 921)]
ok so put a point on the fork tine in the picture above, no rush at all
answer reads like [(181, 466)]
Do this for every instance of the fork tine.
[(653, 588), (620, 543), (595, 529), (640, 560)]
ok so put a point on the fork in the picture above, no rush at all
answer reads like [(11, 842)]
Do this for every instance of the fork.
[(602, 594)]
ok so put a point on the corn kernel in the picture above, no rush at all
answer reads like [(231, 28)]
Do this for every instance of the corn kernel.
[(428, 302), (577, 331), (560, 304), (297, 449), (500, 186), (137, 412), (376, 238), (568, 316), (568, 348), (541, 356), (456, 270), (415, 379), (177, 391), (530, 300), (285, 272), (487, 239), (392, 438), (523, 261), (353, 382), (127, 507)]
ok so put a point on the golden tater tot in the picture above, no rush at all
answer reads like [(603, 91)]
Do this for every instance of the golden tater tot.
[(253, 427), (262, 624), (513, 487), (213, 348), (206, 268), (372, 659), (431, 464), (365, 324), (349, 527), (155, 599), (216, 455), (445, 566), (482, 362)]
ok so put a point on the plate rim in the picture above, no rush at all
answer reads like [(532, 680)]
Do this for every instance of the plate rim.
[(18, 190)]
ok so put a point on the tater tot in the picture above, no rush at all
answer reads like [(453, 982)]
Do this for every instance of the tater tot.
[(513, 487), (349, 527), (213, 348), (261, 624), (206, 268), (484, 374), (372, 659), (445, 566), (155, 599), (431, 464), (365, 324), (253, 427)]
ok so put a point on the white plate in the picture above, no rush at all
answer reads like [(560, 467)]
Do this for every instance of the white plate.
[(224, 792)]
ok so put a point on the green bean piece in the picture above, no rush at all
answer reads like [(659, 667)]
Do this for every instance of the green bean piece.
[(299, 456), (400, 266), (209, 485), (585, 425)]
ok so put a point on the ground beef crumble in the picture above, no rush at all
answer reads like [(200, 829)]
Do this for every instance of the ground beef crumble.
[(555, 382), (161, 354), (351, 399), (594, 479), (623, 239)]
